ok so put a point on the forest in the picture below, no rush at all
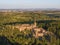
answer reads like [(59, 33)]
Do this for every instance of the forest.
[(10, 36)]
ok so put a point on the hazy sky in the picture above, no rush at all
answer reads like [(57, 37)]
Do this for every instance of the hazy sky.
[(11, 4)]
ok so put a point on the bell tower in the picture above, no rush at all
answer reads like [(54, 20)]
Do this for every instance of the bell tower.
[(35, 24), (34, 19)]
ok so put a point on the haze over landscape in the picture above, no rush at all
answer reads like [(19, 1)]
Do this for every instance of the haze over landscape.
[(27, 4), (29, 22)]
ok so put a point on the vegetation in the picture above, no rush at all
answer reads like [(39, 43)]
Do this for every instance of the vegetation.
[(10, 36)]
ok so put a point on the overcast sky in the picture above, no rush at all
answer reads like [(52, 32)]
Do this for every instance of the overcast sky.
[(16, 4)]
